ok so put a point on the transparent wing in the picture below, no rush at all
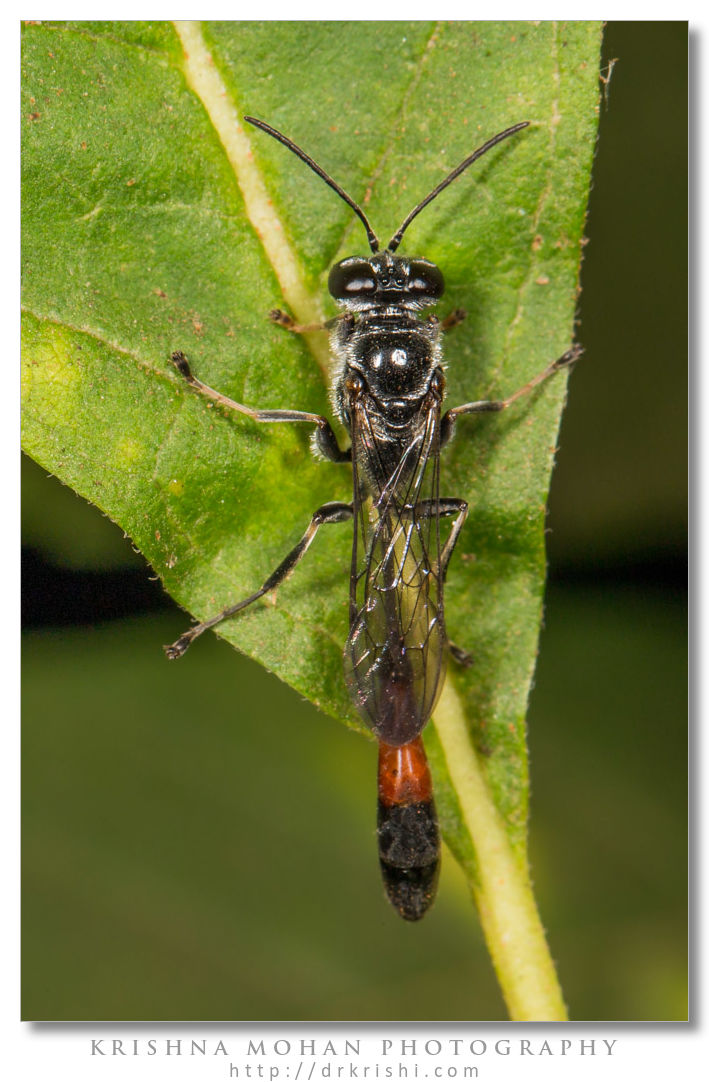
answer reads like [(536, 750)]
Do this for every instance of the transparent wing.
[(396, 647)]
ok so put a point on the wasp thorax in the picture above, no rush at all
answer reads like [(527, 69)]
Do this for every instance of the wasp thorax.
[(395, 366)]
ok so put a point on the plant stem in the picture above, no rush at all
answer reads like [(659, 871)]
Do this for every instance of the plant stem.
[(502, 889)]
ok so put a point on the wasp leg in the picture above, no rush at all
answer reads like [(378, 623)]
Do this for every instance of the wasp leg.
[(445, 506), (325, 437), (448, 506), (453, 319), (461, 656), (277, 315), (329, 512), (449, 418)]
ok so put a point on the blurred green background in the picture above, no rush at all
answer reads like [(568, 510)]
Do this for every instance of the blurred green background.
[(198, 842)]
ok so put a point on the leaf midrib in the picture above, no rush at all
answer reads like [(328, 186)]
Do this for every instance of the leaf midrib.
[(205, 81)]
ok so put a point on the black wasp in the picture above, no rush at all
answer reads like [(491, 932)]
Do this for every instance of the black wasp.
[(388, 389)]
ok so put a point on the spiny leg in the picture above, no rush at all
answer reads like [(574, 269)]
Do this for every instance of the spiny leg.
[(446, 506), (449, 418), (277, 315), (329, 512), (459, 655), (326, 439), (453, 319)]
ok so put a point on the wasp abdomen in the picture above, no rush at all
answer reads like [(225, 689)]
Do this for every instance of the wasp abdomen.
[(407, 828)]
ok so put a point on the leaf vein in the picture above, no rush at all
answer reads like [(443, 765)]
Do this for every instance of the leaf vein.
[(86, 35)]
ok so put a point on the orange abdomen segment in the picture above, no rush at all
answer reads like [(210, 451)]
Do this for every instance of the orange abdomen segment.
[(404, 776)]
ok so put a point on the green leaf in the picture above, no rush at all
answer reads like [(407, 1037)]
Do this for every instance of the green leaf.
[(151, 223)]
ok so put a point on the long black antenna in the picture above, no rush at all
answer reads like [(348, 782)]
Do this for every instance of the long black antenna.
[(371, 235), (396, 239)]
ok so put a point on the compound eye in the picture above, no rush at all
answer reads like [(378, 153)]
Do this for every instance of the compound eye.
[(426, 279), (352, 278)]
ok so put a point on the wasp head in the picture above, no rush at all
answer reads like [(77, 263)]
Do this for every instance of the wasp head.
[(385, 279)]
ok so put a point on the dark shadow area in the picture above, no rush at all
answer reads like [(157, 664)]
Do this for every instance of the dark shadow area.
[(55, 596)]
